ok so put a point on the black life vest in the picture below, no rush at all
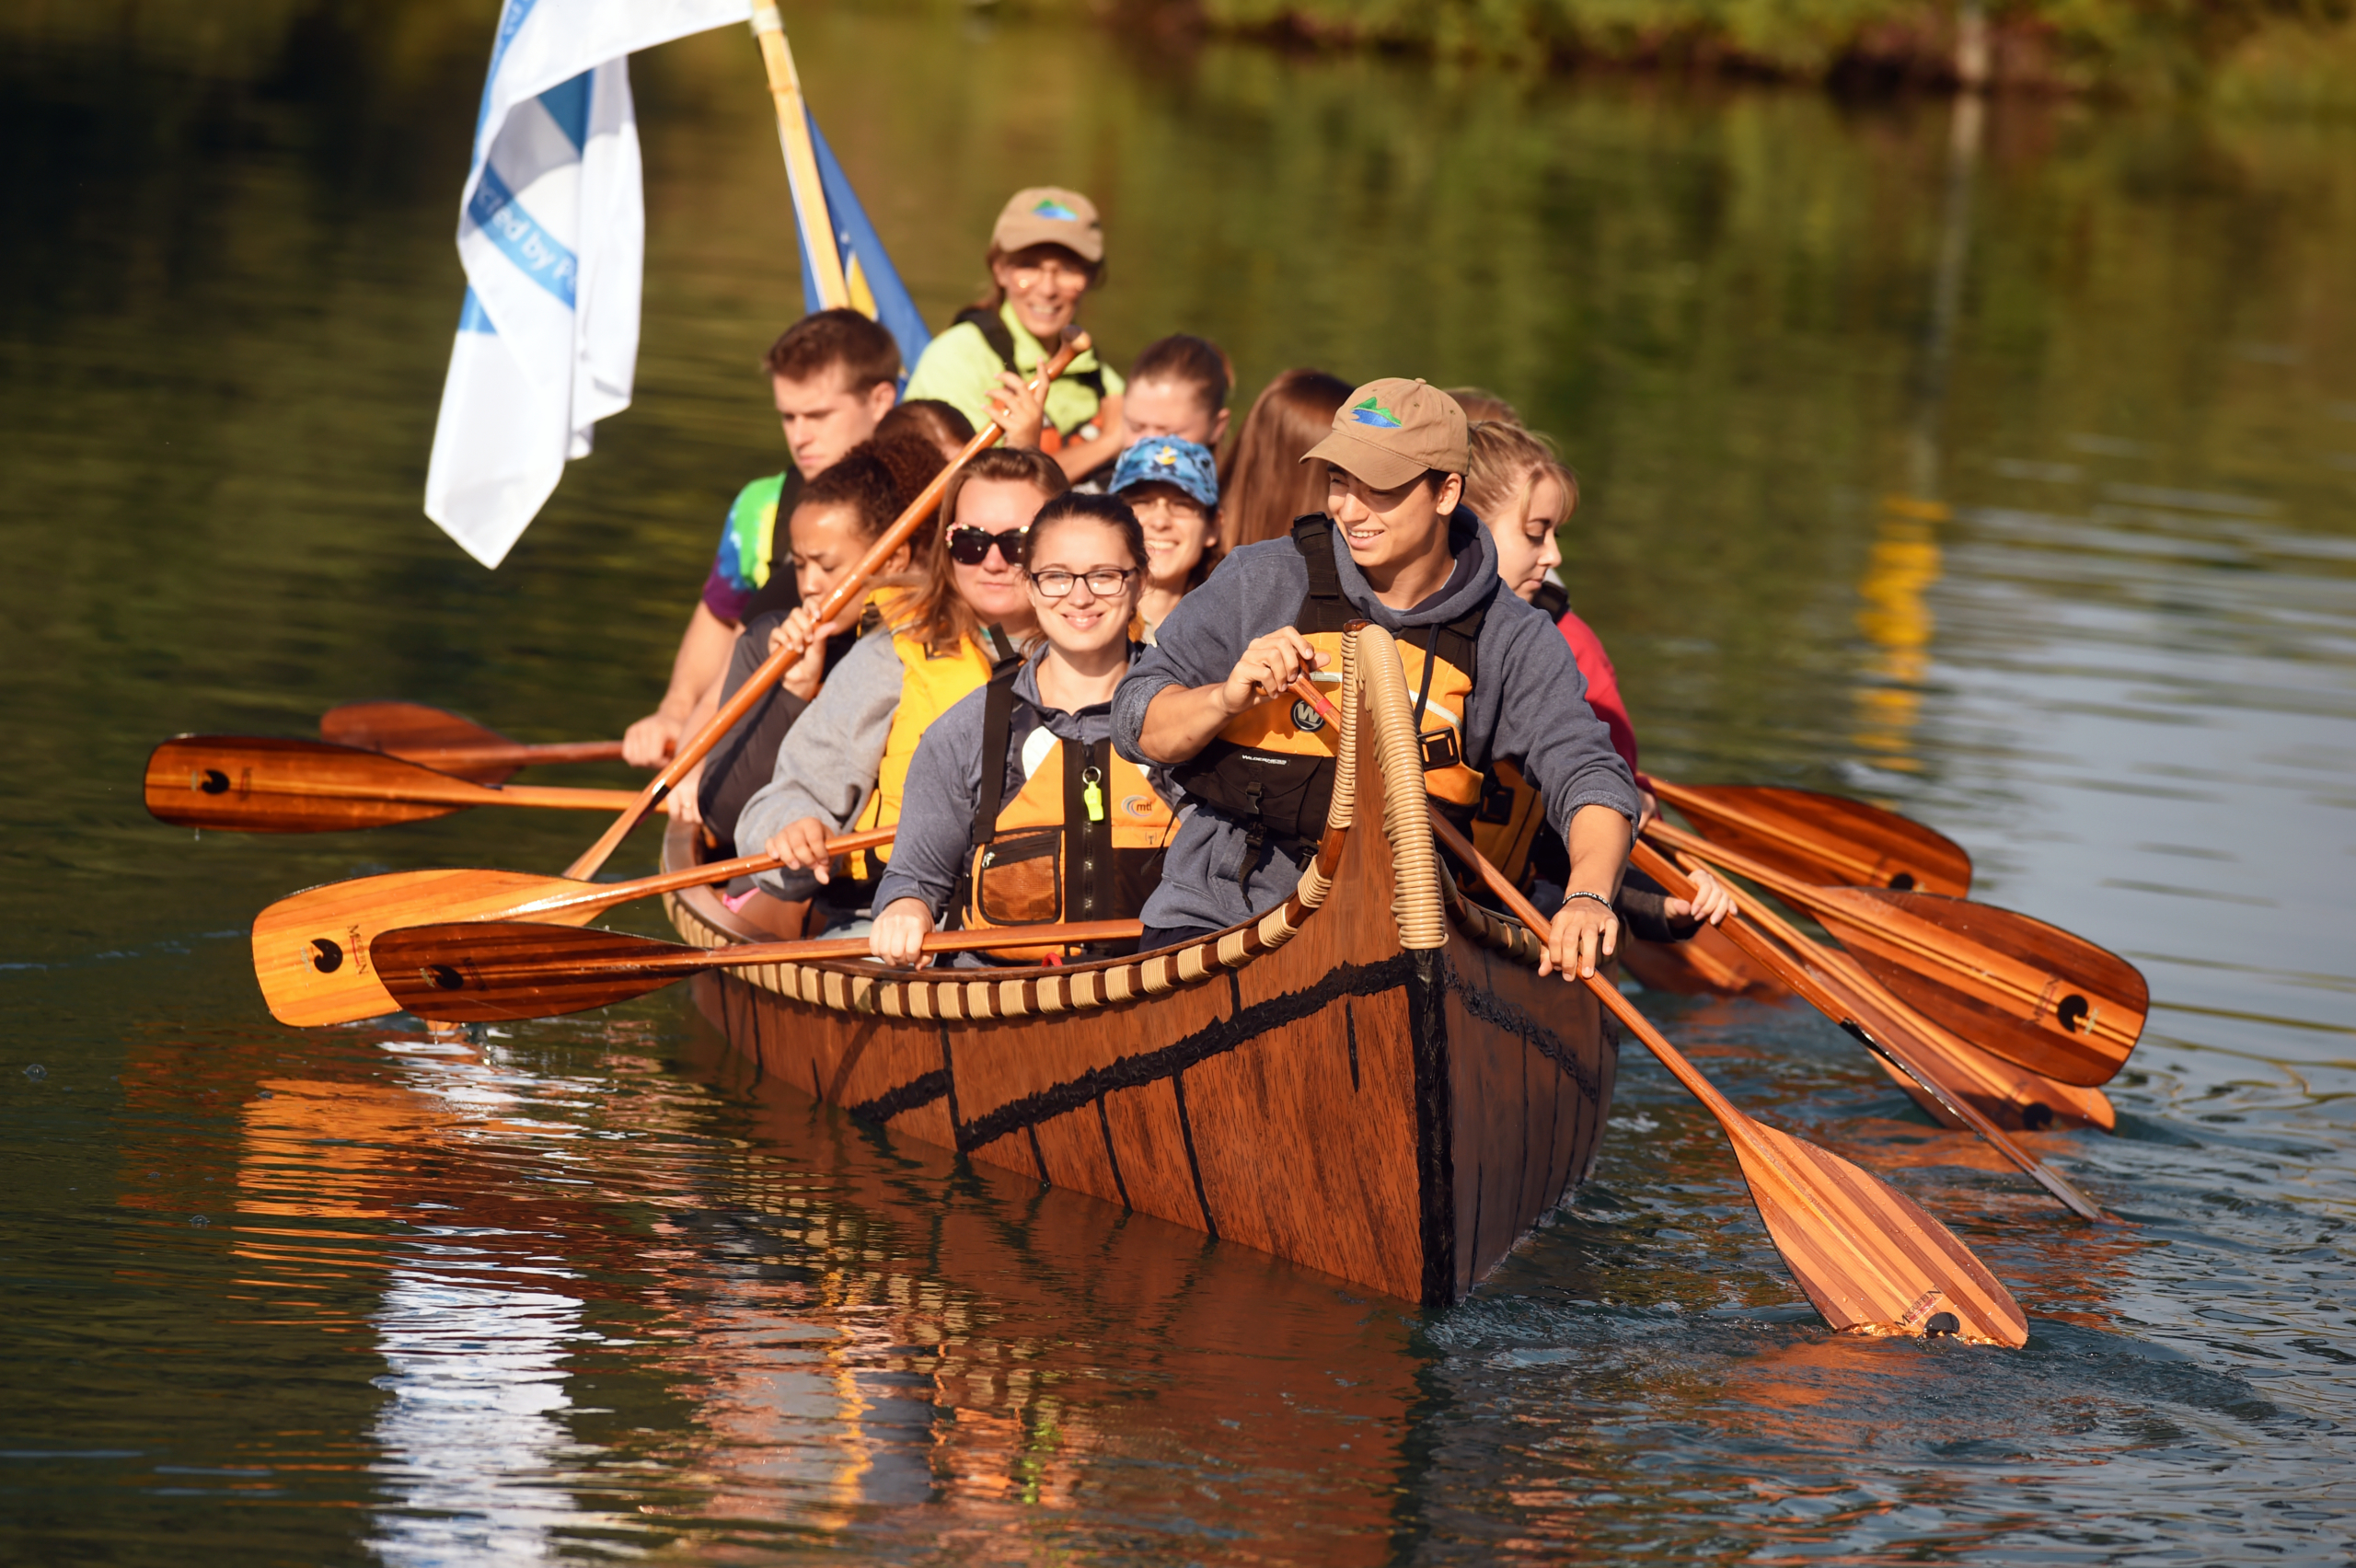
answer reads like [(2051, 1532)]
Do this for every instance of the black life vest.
[(994, 332), (1081, 840), (1271, 767)]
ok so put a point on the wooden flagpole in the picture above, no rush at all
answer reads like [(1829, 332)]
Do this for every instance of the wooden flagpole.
[(801, 159)]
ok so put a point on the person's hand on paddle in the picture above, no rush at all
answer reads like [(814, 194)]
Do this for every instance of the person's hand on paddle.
[(681, 804), (1711, 902), (800, 625), (1020, 412), (650, 740), (802, 846), (1269, 666), (897, 937), (1584, 933)]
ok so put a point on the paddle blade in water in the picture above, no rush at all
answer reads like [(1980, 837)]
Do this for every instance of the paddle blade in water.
[(500, 970), (257, 784), (1827, 839), (311, 950), (1867, 1256), (2018, 988), (406, 728)]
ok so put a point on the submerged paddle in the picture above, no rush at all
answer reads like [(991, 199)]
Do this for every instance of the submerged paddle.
[(1889, 1033), (438, 738), (311, 948), (263, 784), (838, 598), (2032, 993), (514, 969), (1864, 1255), (1827, 839)]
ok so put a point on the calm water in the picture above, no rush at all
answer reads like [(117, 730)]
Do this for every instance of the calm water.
[(2003, 470)]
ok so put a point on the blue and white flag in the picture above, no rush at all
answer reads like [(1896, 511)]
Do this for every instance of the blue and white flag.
[(875, 288), (551, 231)]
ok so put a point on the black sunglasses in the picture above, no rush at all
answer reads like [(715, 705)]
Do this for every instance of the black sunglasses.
[(970, 546)]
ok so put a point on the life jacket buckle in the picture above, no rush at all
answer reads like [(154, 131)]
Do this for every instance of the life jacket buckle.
[(1441, 748)]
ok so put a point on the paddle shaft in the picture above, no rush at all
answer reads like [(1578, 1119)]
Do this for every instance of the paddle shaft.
[(612, 894), (510, 755), (1522, 909), (838, 598), (1896, 1049)]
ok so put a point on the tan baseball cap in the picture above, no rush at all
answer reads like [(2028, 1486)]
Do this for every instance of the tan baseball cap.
[(1391, 431), (1049, 214)]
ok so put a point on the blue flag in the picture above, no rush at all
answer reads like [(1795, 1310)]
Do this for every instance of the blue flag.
[(875, 288)]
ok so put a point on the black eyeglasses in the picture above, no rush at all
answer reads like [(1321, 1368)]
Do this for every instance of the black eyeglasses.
[(1104, 582), (970, 546)]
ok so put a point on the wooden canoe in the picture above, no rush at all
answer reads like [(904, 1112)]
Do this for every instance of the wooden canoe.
[(1370, 1080)]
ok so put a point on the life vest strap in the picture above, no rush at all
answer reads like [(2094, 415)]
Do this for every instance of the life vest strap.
[(992, 327)]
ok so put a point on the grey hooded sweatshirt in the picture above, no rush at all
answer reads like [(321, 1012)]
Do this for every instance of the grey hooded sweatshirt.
[(1528, 707)]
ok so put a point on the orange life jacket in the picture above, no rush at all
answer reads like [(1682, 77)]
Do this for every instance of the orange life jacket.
[(1081, 840)]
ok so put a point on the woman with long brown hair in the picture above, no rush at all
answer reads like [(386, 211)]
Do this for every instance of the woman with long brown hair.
[(1264, 485), (848, 761)]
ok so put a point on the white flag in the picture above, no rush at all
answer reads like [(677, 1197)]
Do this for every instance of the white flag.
[(551, 231)]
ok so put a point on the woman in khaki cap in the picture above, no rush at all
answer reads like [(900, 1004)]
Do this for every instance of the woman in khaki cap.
[(1046, 250)]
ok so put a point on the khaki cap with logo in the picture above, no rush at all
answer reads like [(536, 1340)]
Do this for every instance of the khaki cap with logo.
[(1049, 214), (1391, 431)]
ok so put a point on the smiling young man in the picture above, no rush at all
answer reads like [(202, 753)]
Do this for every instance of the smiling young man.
[(833, 376), (1210, 702)]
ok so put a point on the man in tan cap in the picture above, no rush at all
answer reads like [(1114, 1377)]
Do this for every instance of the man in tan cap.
[(1504, 743), (1046, 250)]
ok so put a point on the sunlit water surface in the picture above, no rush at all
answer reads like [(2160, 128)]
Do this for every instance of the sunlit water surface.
[(2002, 469)]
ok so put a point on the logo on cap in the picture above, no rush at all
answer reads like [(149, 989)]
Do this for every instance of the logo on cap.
[(1051, 208), (1371, 412), (1167, 457)]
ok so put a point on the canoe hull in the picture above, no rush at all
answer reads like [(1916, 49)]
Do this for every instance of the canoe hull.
[(1396, 1116)]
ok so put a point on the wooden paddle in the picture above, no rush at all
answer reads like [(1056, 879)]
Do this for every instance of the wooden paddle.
[(517, 969), (841, 596), (1867, 1257), (1827, 840), (311, 948), (437, 738), (1886, 1032), (2028, 992), (265, 784)]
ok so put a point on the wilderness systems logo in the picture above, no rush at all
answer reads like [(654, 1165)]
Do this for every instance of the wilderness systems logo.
[(1372, 412)]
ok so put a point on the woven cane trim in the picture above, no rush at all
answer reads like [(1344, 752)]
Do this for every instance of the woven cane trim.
[(954, 995), (1509, 937), (1416, 903)]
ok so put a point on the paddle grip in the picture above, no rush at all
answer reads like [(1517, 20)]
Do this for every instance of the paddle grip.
[(844, 594)]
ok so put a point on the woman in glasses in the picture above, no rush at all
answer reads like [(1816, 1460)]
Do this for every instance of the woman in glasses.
[(846, 767), (1046, 250), (1017, 812)]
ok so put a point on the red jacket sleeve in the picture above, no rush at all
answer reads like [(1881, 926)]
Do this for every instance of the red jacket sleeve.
[(1602, 684)]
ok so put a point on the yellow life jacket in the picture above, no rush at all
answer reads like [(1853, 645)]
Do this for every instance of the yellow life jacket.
[(1081, 840), (929, 686), (1272, 767)]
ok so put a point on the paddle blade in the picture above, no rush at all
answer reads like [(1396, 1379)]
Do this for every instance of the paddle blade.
[(500, 970), (1868, 1257), (259, 784), (400, 728), (311, 950), (1827, 840), (2033, 993)]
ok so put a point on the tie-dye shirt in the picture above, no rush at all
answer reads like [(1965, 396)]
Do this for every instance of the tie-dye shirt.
[(748, 542)]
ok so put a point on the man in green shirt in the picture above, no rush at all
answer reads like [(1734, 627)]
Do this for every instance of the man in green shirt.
[(833, 376)]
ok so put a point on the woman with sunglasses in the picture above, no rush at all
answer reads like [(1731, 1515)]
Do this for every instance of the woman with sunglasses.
[(846, 765), (1046, 250), (1018, 812)]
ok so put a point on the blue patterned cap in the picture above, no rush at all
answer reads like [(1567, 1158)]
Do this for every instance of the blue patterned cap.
[(1165, 459)]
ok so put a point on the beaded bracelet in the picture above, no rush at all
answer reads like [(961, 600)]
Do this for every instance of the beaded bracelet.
[(1582, 892)]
